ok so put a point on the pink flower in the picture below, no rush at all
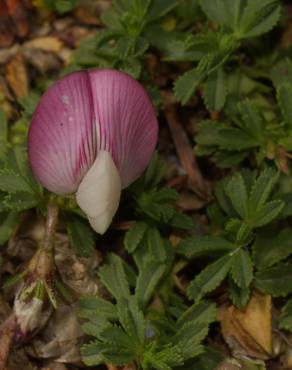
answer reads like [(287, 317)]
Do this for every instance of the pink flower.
[(93, 133)]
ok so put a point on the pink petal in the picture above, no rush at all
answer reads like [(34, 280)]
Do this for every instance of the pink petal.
[(62, 138), (127, 125), (86, 112)]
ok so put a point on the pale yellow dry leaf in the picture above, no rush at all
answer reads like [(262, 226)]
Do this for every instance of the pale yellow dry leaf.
[(47, 43), (248, 331), (17, 77)]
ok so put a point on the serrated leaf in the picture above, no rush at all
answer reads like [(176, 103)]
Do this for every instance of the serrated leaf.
[(11, 182), (149, 276), (134, 236), (90, 306), (186, 85), (267, 213), (132, 319), (276, 281), (251, 118), (155, 171), (210, 278), (20, 201), (239, 296), (242, 268), (115, 336), (189, 336), (156, 246), (284, 94), (97, 353), (92, 353), (224, 12), (81, 236), (161, 358), (215, 90), (204, 245), (113, 276), (181, 221), (203, 312), (208, 360), (262, 189), (159, 8), (237, 192), (95, 326), (258, 18), (269, 250), (285, 319)]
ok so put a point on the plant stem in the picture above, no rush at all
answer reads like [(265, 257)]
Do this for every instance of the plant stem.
[(51, 224)]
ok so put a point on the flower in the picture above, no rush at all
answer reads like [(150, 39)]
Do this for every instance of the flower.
[(92, 134)]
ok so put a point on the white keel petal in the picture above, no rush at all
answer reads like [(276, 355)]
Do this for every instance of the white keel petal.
[(99, 192)]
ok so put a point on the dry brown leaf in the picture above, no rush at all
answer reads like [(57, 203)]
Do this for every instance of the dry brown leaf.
[(61, 338), (88, 12), (77, 274), (43, 61), (47, 43), (17, 76), (8, 53), (248, 331)]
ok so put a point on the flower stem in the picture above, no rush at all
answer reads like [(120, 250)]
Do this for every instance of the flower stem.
[(51, 224)]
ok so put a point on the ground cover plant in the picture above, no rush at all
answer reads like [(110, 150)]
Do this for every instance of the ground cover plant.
[(146, 202)]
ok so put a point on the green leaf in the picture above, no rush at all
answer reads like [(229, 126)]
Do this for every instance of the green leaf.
[(156, 246), (91, 306), (20, 201), (284, 94), (92, 353), (115, 336), (258, 18), (186, 85), (203, 312), (8, 222), (239, 296), (242, 268), (253, 122), (132, 319), (81, 236), (189, 336), (268, 213), (113, 276), (12, 182), (161, 358), (204, 245), (226, 13), (215, 90), (134, 236), (181, 221), (270, 249), (210, 278), (237, 192), (159, 8), (276, 281), (148, 278), (208, 360), (97, 353), (262, 189), (285, 319), (155, 171)]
